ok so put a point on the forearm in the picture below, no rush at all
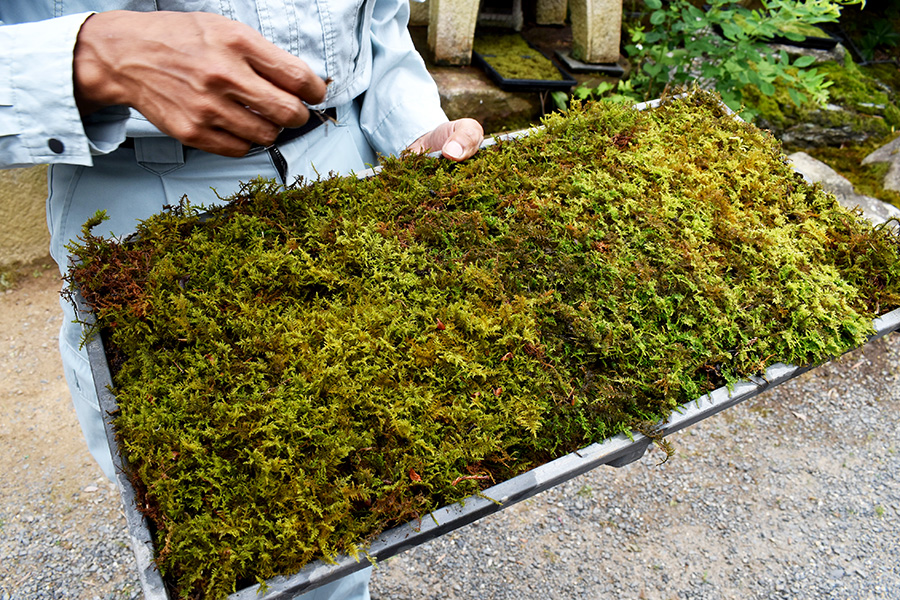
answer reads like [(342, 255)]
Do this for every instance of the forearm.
[(39, 118), (402, 102)]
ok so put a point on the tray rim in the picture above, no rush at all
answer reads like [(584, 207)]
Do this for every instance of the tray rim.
[(616, 451)]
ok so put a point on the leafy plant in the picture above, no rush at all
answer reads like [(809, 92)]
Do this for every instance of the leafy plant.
[(620, 91), (882, 33), (724, 48)]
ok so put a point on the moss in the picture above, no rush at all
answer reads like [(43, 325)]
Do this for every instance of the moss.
[(307, 367), (867, 108), (8, 278), (885, 73), (513, 58), (852, 88)]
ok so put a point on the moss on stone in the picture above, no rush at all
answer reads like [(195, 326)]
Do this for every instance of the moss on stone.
[(866, 107), (307, 367), (852, 88), (866, 179), (886, 73)]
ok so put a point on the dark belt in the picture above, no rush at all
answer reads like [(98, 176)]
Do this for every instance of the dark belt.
[(316, 118)]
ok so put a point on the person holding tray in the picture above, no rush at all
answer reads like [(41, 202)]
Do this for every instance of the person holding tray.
[(138, 103)]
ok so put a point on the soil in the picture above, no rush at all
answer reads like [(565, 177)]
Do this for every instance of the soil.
[(37, 421), (49, 478)]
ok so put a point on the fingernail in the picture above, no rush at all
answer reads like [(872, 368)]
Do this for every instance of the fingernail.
[(453, 150)]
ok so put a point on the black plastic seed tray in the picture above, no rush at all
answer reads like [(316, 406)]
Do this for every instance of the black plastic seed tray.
[(524, 85)]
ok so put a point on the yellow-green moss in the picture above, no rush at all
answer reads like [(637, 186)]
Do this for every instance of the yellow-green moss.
[(868, 108), (307, 367), (513, 58), (852, 88)]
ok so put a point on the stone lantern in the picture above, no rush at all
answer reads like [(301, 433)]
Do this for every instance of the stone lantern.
[(596, 27)]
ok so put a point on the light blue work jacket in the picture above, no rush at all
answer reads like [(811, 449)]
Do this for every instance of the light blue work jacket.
[(362, 45), (383, 96)]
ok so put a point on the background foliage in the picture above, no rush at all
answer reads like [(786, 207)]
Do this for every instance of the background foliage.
[(723, 46)]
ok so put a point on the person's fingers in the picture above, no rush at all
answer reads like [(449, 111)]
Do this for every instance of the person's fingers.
[(258, 75), (464, 140), (196, 129), (273, 104), (218, 141), (208, 81), (243, 123), (457, 140), (286, 71)]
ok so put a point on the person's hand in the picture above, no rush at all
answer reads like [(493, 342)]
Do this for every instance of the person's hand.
[(208, 81), (457, 140)]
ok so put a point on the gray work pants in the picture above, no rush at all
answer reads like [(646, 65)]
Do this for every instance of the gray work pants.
[(132, 184)]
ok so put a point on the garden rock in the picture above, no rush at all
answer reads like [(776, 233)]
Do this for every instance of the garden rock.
[(816, 171), (832, 125), (860, 109), (836, 54), (889, 153), (470, 93)]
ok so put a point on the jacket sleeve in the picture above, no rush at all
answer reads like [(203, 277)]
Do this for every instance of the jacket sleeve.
[(402, 102), (39, 121)]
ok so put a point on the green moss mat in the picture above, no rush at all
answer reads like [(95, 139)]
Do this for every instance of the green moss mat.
[(308, 367), (513, 58)]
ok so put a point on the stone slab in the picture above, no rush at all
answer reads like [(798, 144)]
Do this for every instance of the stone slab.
[(815, 171), (892, 177), (889, 153), (467, 92), (551, 12), (451, 30), (835, 54), (596, 30)]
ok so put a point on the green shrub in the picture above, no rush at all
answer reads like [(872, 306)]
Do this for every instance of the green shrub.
[(679, 47)]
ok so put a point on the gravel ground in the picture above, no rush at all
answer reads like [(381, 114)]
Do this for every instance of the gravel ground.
[(794, 494)]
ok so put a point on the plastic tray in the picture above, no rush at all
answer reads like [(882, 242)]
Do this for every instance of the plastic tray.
[(616, 452), (525, 85)]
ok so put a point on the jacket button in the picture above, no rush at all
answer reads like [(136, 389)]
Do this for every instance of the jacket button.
[(56, 146)]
